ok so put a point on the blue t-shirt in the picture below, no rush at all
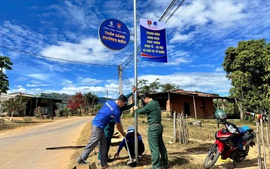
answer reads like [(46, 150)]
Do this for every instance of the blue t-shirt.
[(108, 111)]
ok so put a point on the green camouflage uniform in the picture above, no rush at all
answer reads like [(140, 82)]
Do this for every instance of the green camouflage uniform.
[(155, 130)]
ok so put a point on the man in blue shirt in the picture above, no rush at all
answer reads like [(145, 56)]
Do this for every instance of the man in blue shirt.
[(103, 117), (109, 129)]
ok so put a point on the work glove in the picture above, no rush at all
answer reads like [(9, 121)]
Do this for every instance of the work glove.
[(135, 107)]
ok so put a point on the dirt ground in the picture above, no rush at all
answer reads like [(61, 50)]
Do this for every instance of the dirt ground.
[(250, 161), (26, 147), (181, 156), (197, 157)]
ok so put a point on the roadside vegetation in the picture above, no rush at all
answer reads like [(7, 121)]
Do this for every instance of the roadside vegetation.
[(7, 123)]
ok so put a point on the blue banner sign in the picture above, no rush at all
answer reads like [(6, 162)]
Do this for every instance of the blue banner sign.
[(114, 34), (153, 41)]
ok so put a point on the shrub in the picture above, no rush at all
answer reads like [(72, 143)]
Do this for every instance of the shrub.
[(27, 119)]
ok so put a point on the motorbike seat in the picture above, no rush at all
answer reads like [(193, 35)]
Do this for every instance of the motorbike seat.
[(244, 129), (247, 136)]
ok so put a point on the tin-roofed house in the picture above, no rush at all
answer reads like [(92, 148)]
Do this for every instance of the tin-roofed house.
[(191, 103), (47, 103)]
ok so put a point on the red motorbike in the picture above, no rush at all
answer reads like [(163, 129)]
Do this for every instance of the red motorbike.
[(232, 142)]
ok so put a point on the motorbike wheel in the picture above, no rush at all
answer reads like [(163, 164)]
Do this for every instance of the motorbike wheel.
[(239, 158), (211, 157)]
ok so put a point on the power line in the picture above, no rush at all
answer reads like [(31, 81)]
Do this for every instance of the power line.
[(129, 60), (173, 2), (124, 75), (192, 3), (53, 58), (174, 11)]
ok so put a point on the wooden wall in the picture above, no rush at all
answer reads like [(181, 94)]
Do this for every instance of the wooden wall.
[(184, 103)]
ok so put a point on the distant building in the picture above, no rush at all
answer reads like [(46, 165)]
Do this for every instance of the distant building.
[(191, 103), (44, 100)]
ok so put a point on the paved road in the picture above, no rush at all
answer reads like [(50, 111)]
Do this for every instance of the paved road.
[(26, 148)]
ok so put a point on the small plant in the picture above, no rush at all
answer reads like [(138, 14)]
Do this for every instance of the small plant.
[(27, 120), (38, 113), (57, 113), (65, 111), (2, 121)]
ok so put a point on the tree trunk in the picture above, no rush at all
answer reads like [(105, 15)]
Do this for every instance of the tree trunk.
[(240, 107)]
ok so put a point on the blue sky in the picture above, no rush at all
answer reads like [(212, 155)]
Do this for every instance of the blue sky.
[(33, 33)]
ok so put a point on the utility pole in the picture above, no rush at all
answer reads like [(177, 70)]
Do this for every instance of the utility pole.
[(135, 76), (120, 79)]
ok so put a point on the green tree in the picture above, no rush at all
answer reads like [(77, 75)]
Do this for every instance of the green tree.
[(248, 68), (167, 87), (5, 63), (154, 86), (144, 86), (91, 99), (16, 105)]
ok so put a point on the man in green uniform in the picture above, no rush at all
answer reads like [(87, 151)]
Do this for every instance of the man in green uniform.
[(155, 130)]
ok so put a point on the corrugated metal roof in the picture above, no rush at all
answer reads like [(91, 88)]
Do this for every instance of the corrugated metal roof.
[(192, 93), (195, 93)]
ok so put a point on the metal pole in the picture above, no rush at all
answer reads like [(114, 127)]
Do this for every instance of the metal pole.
[(135, 77), (120, 79)]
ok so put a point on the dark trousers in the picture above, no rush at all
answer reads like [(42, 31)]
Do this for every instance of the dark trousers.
[(157, 147), (131, 148), (108, 131)]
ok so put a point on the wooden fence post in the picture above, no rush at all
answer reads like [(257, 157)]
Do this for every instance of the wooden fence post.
[(258, 144), (174, 127)]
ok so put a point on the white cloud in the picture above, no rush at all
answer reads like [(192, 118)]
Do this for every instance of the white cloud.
[(83, 89), (31, 85), (89, 50), (207, 18), (18, 88), (227, 13), (40, 76), (89, 81), (177, 37), (203, 82), (114, 87), (66, 82), (177, 61), (219, 69), (16, 36), (203, 65)]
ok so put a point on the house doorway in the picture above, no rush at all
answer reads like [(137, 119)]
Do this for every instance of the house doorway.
[(186, 109)]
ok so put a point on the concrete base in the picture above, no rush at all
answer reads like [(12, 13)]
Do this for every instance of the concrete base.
[(86, 166), (93, 166), (83, 166)]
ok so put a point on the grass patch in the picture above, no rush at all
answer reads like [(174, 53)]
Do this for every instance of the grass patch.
[(20, 122)]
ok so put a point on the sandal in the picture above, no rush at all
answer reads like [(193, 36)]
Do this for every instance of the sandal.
[(105, 167)]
